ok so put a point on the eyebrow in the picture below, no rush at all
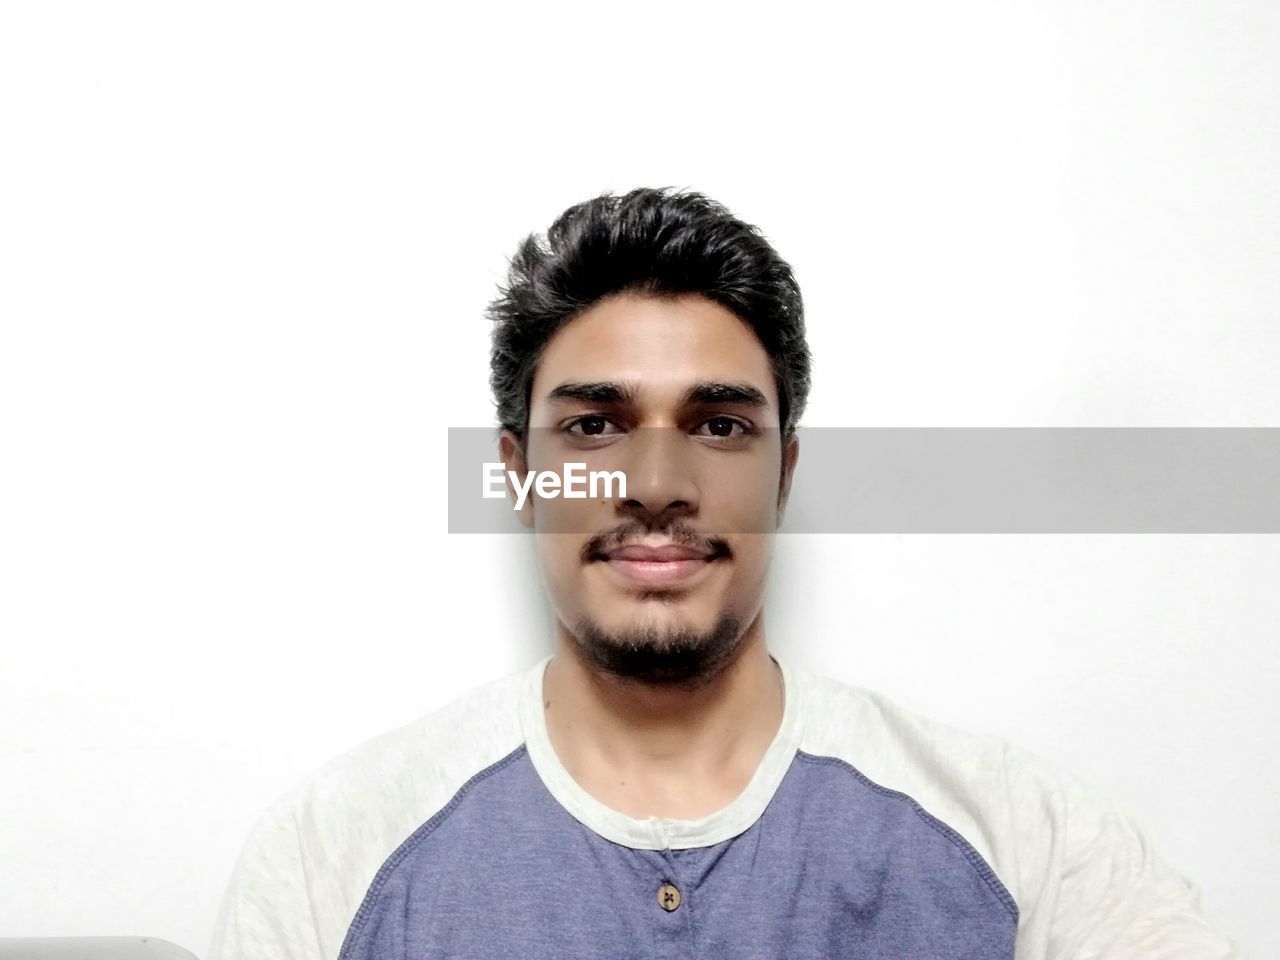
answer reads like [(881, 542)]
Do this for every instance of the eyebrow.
[(601, 392), (712, 391), (716, 392)]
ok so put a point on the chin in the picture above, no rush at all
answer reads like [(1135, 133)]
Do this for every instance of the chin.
[(659, 650), (654, 621)]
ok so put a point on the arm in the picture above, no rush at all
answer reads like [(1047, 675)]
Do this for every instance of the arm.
[(1106, 892), (266, 912)]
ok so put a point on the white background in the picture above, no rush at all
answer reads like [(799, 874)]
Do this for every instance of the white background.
[(245, 253)]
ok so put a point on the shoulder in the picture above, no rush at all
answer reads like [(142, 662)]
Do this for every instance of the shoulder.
[(1081, 869), (888, 741), (470, 732), (328, 836), (422, 762), (1003, 801), (919, 754)]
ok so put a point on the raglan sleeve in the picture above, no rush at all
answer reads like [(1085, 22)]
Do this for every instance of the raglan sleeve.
[(1107, 892), (266, 911)]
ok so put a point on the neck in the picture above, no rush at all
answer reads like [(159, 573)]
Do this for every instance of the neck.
[(648, 749)]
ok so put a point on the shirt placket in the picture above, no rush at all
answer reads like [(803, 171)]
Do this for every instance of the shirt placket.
[(671, 903)]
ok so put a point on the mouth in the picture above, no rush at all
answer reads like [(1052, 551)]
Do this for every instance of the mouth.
[(658, 565)]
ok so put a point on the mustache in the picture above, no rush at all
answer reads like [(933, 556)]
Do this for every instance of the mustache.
[(677, 531)]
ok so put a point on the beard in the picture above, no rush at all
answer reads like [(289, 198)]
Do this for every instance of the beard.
[(669, 657)]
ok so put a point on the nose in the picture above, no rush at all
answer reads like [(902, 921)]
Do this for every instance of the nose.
[(661, 481)]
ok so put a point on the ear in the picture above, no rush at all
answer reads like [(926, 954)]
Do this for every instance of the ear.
[(512, 451), (790, 454)]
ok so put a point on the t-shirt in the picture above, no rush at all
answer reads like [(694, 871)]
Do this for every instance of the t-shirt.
[(866, 831)]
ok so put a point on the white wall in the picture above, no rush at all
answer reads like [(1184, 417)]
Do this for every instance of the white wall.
[(245, 249)]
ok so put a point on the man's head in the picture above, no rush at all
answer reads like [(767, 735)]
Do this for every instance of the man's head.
[(655, 334)]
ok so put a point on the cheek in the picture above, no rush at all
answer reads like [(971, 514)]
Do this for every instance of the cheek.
[(751, 554), (558, 557), (741, 502)]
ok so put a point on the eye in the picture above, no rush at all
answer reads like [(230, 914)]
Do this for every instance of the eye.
[(592, 425), (725, 428)]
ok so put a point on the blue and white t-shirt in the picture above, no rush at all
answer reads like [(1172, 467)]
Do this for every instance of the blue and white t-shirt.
[(867, 831)]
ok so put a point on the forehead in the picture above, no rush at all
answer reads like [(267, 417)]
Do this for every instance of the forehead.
[(660, 345)]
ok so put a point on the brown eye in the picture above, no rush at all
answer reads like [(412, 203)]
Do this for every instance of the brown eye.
[(724, 428), (592, 425)]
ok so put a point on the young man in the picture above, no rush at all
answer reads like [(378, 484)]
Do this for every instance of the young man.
[(663, 786)]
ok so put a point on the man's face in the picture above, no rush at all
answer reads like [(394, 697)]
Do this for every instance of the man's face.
[(679, 395)]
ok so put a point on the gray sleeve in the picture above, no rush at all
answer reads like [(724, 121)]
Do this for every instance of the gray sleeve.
[(1106, 892), (266, 912)]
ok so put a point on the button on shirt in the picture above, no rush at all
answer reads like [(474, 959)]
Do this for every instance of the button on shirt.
[(866, 830)]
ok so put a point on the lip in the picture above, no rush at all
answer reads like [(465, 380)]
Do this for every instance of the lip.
[(652, 566), (661, 553)]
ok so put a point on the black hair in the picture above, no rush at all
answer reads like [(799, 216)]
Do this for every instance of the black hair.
[(655, 242)]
